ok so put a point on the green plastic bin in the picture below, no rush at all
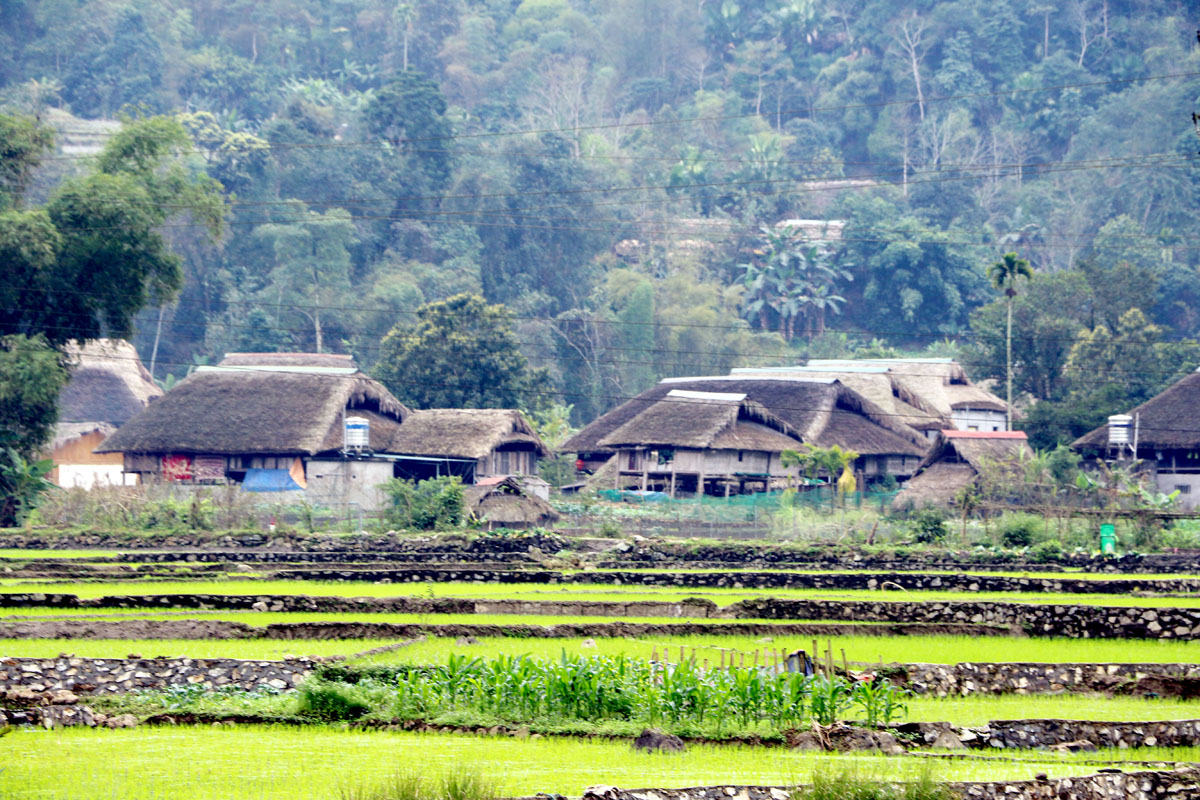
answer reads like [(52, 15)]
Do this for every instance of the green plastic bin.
[(1108, 539)]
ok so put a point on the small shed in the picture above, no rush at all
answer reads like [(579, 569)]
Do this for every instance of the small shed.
[(502, 502), (955, 462)]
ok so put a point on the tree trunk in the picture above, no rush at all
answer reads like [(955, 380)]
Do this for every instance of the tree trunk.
[(157, 336), (1008, 366), (317, 328)]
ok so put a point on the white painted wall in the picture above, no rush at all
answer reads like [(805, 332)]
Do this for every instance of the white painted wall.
[(88, 476), (978, 419)]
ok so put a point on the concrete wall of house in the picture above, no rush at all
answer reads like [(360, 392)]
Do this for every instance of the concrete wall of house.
[(1187, 483), (978, 419), (347, 482)]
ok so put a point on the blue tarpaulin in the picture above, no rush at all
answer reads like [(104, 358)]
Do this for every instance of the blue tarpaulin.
[(269, 480)]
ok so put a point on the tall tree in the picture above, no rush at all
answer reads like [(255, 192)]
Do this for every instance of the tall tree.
[(1004, 275), (460, 353)]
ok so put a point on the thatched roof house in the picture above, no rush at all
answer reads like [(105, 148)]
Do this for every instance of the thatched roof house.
[(471, 442), (926, 394), (1167, 430), (955, 462), (108, 386), (700, 441), (502, 502), (278, 425), (820, 411)]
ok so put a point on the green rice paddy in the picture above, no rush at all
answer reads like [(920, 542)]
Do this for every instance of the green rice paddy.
[(250, 649), (283, 763), (868, 649), (540, 591)]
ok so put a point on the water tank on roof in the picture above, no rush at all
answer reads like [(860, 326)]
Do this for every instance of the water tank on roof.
[(357, 433), (1118, 429)]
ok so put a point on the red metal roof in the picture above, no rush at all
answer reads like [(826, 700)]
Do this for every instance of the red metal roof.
[(984, 434)]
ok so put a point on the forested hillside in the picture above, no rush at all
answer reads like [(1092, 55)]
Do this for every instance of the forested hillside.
[(615, 171)]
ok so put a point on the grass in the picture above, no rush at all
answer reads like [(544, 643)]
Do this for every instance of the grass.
[(902, 649), (539, 591), (250, 649), (978, 709), (191, 763)]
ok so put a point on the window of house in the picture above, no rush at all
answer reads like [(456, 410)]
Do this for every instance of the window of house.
[(972, 427), (739, 455), (500, 461), (1183, 488)]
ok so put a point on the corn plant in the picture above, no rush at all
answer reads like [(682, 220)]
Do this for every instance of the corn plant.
[(881, 701), (830, 697)]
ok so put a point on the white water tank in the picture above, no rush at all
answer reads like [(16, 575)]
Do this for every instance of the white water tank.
[(357, 433), (1118, 429)]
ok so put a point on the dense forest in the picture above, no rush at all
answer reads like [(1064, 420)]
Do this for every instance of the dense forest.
[(658, 187)]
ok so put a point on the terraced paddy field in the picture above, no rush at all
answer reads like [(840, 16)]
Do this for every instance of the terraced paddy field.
[(284, 763), (313, 759), (541, 591)]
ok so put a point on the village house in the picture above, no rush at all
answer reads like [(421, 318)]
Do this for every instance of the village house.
[(955, 463), (269, 422), (1163, 434), (473, 443), (819, 411), (926, 394), (108, 386)]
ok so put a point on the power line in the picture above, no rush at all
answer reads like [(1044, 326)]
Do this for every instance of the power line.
[(622, 398)]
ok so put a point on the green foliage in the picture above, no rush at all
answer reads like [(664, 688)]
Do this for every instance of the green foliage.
[(1047, 552), (1018, 530), (881, 701), (928, 525), (460, 784), (521, 688), (433, 504), (846, 783), (23, 142), (329, 702), (460, 353), (31, 375)]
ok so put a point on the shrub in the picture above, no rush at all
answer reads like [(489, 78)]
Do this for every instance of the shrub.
[(1046, 552), (928, 525), (432, 504), (329, 702), (1019, 530)]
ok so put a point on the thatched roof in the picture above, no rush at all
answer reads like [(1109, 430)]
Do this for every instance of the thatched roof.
[(463, 432), (934, 385), (224, 410), (504, 502), (823, 412), (1169, 420), (703, 420), (955, 461), (334, 361), (108, 384)]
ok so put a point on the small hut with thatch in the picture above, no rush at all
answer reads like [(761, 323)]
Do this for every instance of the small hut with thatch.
[(701, 442), (274, 422), (503, 502), (1165, 430), (473, 443), (108, 386), (955, 463)]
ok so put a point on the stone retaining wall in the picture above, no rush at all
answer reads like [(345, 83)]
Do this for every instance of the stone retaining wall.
[(1035, 733), (909, 581), (104, 675), (1073, 621), (1179, 784), (968, 678)]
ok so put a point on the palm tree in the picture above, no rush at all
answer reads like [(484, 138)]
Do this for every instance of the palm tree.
[(1004, 275)]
